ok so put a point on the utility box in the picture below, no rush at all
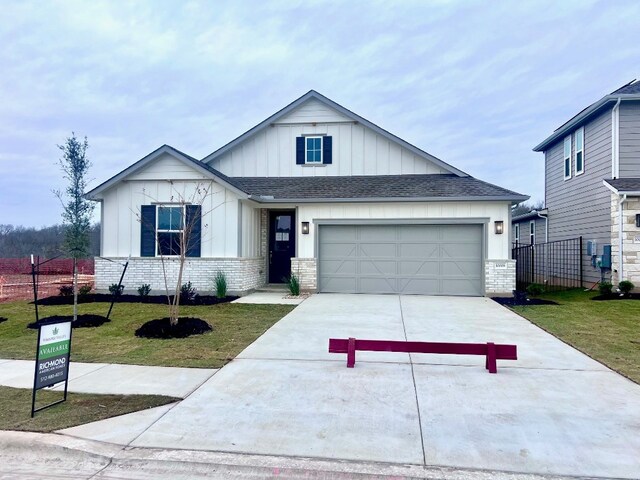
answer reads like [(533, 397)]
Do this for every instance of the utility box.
[(592, 248), (605, 262)]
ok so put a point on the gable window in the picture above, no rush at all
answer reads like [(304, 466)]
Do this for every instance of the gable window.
[(170, 225), (313, 150), (579, 151), (567, 157), (516, 229), (532, 232)]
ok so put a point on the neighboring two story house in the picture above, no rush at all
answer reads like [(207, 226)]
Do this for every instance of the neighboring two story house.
[(592, 183), (317, 191)]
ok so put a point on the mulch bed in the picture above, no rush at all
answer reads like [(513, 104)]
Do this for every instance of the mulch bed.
[(162, 328), (3, 319), (617, 296), (126, 298), (83, 321), (513, 302)]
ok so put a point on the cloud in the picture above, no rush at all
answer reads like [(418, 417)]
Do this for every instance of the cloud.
[(475, 84)]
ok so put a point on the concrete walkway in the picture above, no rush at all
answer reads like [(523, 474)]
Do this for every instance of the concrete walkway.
[(111, 378), (269, 297), (554, 411)]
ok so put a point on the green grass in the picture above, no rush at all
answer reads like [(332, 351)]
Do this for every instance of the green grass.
[(79, 408), (608, 331), (234, 327)]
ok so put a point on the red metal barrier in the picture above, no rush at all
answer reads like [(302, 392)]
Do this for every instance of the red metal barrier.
[(491, 351)]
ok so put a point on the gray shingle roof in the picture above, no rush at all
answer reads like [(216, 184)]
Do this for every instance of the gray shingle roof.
[(630, 88), (437, 186), (625, 184)]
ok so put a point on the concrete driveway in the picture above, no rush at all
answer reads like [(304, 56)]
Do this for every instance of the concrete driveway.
[(554, 411)]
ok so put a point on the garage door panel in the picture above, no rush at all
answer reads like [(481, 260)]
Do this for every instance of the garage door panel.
[(410, 259), (426, 267), (378, 250), (377, 284), (339, 266), (419, 250), (380, 267)]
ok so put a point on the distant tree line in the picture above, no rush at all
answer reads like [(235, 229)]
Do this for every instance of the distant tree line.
[(526, 207), (18, 241)]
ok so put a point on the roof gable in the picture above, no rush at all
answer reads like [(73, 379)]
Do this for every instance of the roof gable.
[(160, 154), (315, 99)]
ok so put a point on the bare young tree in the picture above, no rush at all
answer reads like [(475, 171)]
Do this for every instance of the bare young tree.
[(182, 242), (77, 210)]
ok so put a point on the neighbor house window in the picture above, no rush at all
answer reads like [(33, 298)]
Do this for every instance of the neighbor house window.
[(532, 232), (313, 150), (567, 157), (517, 232), (170, 225), (579, 151)]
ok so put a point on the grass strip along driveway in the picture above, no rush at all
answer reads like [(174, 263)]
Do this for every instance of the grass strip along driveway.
[(608, 331), (78, 409), (234, 327)]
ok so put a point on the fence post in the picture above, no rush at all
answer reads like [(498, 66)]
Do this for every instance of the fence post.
[(580, 261)]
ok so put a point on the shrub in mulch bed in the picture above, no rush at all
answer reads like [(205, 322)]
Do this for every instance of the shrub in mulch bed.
[(3, 319), (155, 299), (83, 321), (617, 296), (521, 302), (162, 328)]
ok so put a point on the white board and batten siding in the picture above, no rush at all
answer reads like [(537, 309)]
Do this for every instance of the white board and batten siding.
[(357, 150), (498, 246), (163, 181)]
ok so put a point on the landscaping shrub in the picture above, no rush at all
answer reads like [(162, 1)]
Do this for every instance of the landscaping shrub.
[(144, 290), (625, 287), (66, 290), (188, 293), (605, 288), (84, 290), (535, 289), (115, 290), (293, 283), (220, 281)]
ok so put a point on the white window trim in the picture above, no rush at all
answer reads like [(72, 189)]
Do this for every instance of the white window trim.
[(184, 212), (516, 229), (307, 162), (575, 153), (565, 158), (532, 232)]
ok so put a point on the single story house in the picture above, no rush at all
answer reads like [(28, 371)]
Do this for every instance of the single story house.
[(530, 228), (317, 191)]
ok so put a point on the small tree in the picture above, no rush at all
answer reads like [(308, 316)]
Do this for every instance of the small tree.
[(77, 210), (201, 192)]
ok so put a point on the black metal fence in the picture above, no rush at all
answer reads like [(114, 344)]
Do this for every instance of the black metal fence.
[(556, 265)]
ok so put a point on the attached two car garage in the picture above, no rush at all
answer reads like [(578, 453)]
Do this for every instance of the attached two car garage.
[(428, 259)]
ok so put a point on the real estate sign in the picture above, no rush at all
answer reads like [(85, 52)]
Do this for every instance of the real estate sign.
[(52, 360)]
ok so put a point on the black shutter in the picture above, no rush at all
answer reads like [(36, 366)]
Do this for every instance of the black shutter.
[(327, 153), (300, 150), (148, 231), (193, 222)]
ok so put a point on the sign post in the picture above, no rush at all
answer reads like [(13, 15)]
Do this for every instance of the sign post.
[(52, 360)]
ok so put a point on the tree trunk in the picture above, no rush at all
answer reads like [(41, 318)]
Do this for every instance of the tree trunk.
[(175, 310), (75, 289)]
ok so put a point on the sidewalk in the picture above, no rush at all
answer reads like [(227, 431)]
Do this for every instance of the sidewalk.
[(111, 378)]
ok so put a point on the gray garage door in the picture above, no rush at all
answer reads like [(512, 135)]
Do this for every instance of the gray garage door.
[(418, 259)]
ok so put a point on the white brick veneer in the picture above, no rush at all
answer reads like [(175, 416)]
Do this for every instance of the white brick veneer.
[(631, 240), (499, 277), (243, 274), (306, 270)]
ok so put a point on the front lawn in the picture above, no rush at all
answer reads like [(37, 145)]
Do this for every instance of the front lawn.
[(608, 331), (234, 327), (79, 408)]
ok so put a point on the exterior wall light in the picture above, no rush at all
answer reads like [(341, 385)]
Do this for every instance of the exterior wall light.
[(305, 228), (499, 225)]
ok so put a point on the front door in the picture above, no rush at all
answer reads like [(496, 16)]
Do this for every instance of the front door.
[(282, 244)]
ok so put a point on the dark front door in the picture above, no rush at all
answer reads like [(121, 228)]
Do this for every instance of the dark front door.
[(282, 244)]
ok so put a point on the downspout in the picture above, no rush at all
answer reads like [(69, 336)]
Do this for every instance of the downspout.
[(615, 143), (546, 226), (623, 198), (546, 248)]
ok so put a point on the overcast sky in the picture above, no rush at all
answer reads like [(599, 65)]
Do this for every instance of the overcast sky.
[(477, 84)]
